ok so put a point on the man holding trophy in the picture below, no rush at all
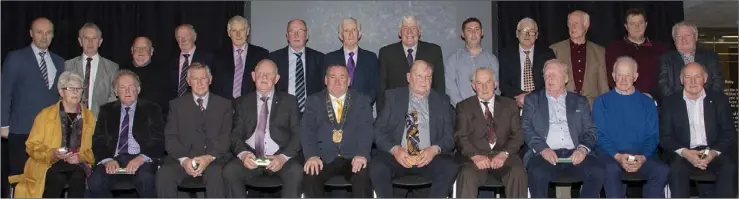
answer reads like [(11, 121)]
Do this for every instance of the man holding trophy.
[(269, 143), (414, 133)]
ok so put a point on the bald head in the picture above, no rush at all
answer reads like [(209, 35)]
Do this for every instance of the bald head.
[(265, 76), (142, 50), (419, 77), (693, 77), (42, 32)]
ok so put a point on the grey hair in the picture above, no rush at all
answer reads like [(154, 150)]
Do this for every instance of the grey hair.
[(703, 68), (148, 41), (585, 16), (692, 27), (626, 60), (124, 72), (409, 18), (420, 61), (350, 19), (527, 19), (189, 26), (93, 26), (561, 64), (198, 66), (337, 65), (473, 76), (274, 65), (238, 18), (68, 77)]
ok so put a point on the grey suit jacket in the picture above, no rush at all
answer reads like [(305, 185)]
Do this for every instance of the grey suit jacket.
[(106, 71), (535, 122)]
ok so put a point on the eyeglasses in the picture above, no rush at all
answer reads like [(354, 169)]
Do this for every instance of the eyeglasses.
[(530, 33), (73, 89)]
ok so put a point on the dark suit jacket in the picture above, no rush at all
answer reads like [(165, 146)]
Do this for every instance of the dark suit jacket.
[(510, 69), (224, 78), (190, 132), (316, 130), (173, 73), (283, 123), (147, 130), (672, 62), (535, 121), (24, 92), (149, 75), (390, 123), (674, 124), (366, 73), (314, 69), (394, 66), (471, 130)]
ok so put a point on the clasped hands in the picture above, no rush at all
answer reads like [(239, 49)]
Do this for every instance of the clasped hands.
[(69, 157), (630, 166), (694, 157), (275, 164), (495, 162), (314, 165), (422, 159), (111, 167), (202, 161), (577, 156)]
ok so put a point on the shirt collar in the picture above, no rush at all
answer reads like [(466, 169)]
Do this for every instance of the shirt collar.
[(145, 64), (37, 50), (488, 101), (701, 96), (342, 97), (269, 94), (520, 49), (205, 97), (564, 95), (243, 47), (355, 51), (133, 106), (405, 48), (292, 51), (416, 98), (646, 42), (94, 57), (189, 52), (574, 45)]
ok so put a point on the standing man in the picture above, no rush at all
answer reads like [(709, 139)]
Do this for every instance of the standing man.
[(337, 140), (523, 75), (461, 64), (557, 124), (396, 59), (177, 84), (414, 134), (628, 134), (363, 73), (488, 136), (266, 125), (97, 70), (585, 60), (196, 137), (698, 128), (129, 134), (671, 63), (637, 46), (301, 65), (238, 61), (28, 85), (146, 69)]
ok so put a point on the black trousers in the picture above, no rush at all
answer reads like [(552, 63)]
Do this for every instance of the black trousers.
[(721, 166), (442, 171), (314, 185), (17, 153), (541, 172), (171, 174), (62, 173), (236, 175), (100, 182)]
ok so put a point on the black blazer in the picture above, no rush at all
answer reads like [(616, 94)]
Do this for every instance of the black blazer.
[(366, 73), (314, 69), (283, 123), (224, 77), (316, 130), (390, 123), (671, 63), (394, 66), (674, 125), (190, 132), (510, 69), (147, 130)]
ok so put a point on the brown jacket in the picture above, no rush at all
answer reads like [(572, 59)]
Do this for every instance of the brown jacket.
[(471, 132), (595, 81)]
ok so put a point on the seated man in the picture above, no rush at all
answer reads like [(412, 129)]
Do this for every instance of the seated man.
[(255, 137), (628, 134), (196, 137), (415, 135), (558, 130), (488, 135), (129, 134), (340, 136), (698, 127)]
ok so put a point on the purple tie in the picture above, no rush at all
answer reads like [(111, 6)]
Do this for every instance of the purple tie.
[(410, 57), (350, 66), (239, 76), (123, 134), (261, 126)]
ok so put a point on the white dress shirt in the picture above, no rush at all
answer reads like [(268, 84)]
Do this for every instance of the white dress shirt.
[(293, 60), (491, 107), (415, 50), (697, 122), (522, 58), (336, 104), (94, 63), (50, 67), (346, 56)]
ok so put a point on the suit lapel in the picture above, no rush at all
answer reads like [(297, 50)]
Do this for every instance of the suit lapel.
[(115, 122), (403, 100), (139, 120), (434, 118), (251, 115), (708, 117), (404, 56), (544, 108), (497, 114), (681, 110), (274, 110), (99, 83), (564, 49), (571, 108), (230, 69)]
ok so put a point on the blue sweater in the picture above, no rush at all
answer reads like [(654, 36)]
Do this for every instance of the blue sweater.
[(626, 124)]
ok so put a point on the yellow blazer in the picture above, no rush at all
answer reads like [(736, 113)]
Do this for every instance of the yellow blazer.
[(595, 80), (44, 139)]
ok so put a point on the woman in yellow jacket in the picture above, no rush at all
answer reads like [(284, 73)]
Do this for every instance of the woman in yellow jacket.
[(59, 146)]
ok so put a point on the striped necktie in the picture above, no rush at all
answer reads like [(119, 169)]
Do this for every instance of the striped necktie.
[(182, 86), (300, 82), (44, 72)]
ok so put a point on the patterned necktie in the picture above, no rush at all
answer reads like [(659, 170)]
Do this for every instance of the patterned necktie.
[(239, 75), (123, 134), (182, 86), (490, 122), (528, 79), (86, 91), (261, 127), (410, 57), (350, 66), (44, 72), (200, 104), (413, 138), (300, 82), (339, 110)]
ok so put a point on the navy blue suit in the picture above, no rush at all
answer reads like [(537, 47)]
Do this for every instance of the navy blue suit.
[(24, 94), (313, 67), (366, 76)]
